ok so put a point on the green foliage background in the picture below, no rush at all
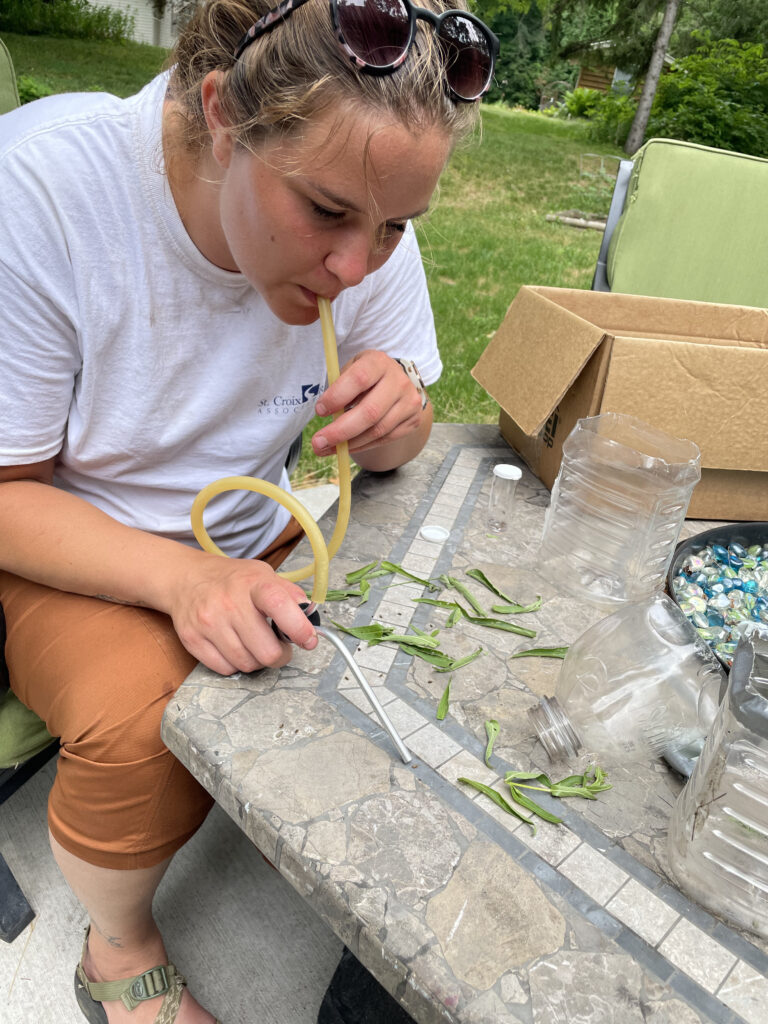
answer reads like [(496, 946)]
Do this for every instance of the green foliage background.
[(75, 19)]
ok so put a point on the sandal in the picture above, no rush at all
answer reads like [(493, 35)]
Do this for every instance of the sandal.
[(157, 981)]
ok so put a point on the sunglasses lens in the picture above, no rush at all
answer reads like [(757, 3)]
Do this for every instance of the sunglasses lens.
[(377, 31), (468, 56)]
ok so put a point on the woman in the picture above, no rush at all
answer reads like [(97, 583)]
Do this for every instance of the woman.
[(160, 262)]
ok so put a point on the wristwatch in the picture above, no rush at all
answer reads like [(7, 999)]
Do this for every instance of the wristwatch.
[(414, 376)]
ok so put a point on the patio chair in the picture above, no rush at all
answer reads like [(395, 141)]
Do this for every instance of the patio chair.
[(25, 746), (688, 222), (9, 93)]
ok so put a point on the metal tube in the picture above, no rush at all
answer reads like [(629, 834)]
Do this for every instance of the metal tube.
[(375, 703)]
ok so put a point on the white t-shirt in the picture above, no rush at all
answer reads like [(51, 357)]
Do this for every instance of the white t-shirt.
[(148, 371)]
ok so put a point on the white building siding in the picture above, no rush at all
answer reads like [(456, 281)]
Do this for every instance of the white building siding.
[(147, 28)]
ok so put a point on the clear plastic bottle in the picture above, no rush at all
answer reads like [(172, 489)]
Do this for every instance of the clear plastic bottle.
[(638, 684), (718, 836), (617, 506), (502, 496)]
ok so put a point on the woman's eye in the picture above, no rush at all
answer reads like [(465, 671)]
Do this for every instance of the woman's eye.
[(389, 234), (325, 213)]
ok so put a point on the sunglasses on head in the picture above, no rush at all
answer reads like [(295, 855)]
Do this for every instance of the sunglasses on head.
[(377, 35)]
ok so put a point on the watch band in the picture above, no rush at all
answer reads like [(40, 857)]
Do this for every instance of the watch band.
[(411, 371)]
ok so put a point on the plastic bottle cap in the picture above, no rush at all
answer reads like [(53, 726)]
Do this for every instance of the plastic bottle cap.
[(436, 534), (507, 472)]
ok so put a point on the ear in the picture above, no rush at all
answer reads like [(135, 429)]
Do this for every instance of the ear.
[(221, 138)]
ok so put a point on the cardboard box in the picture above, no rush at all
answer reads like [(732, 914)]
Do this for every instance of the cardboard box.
[(697, 370)]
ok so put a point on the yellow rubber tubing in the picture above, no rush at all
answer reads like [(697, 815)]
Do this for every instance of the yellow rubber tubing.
[(322, 553)]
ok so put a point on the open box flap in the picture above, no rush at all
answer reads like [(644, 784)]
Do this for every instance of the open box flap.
[(648, 316), (529, 380), (713, 395)]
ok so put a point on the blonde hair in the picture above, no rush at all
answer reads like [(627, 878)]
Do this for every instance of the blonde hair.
[(298, 70)]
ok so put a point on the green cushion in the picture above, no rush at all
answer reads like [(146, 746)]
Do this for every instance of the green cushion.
[(9, 94), (22, 733), (693, 226)]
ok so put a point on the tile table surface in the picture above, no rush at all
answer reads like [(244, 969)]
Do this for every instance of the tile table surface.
[(459, 909)]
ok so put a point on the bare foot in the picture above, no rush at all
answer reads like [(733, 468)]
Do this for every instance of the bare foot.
[(102, 962)]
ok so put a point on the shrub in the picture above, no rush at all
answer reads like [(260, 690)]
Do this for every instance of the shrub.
[(69, 18), (582, 102), (613, 118), (718, 97), (31, 88)]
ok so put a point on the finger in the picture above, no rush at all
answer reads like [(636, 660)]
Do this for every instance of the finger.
[(356, 378), (210, 656), (294, 624), (366, 426)]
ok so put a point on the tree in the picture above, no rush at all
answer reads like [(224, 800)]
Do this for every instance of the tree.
[(652, 75)]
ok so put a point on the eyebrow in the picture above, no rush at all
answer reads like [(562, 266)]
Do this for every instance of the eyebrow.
[(340, 201)]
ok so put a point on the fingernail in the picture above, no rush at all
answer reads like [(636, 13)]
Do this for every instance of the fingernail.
[(320, 442), (320, 409)]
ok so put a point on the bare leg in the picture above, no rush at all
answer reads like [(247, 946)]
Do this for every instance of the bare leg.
[(124, 938)]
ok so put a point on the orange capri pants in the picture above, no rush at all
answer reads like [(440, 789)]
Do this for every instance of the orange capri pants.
[(100, 676)]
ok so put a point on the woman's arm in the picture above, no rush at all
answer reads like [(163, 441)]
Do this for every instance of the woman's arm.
[(218, 605)]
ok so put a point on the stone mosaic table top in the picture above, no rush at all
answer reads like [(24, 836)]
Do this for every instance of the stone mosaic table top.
[(459, 909)]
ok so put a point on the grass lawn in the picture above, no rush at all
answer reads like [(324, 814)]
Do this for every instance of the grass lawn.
[(485, 236), (82, 65)]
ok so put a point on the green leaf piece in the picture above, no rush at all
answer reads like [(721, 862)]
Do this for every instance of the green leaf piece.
[(342, 594), (394, 567), (499, 799), (442, 707), (461, 662), (587, 785), (477, 574), (436, 602), (454, 617), (529, 777), (442, 662), (509, 627), (542, 652), (413, 640), (375, 633), (517, 609), (492, 729), (532, 806), (457, 585), (424, 633), (359, 574)]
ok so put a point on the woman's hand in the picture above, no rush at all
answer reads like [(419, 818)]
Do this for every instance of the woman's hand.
[(381, 408), (220, 609)]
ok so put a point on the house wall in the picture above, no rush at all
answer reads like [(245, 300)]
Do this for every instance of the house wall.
[(595, 78), (147, 28)]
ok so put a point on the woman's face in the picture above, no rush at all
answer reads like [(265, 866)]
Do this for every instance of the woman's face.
[(314, 214)]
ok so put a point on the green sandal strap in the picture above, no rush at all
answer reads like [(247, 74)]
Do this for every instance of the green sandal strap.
[(132, 991), (157, 981)]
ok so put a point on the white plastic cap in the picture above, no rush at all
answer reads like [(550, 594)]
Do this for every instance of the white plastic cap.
[(507, 472), (436, 534)]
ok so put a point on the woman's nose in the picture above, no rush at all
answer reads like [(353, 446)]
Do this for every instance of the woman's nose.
[(352, 260)]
